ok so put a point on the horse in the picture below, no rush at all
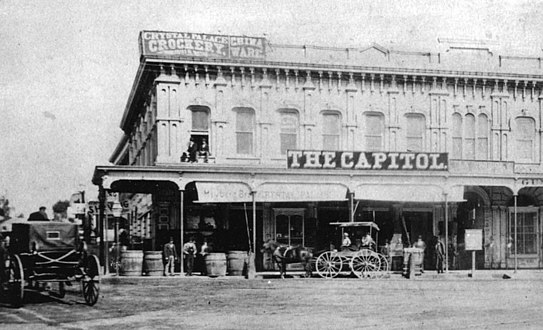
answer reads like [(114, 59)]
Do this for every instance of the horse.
[(284, 254)]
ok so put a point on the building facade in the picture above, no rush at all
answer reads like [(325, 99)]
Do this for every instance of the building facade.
[(234, 140)]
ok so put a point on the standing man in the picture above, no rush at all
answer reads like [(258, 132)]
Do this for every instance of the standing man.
[(419, 244), (39, 215), (189, 249), (440, 254), (170, 256)]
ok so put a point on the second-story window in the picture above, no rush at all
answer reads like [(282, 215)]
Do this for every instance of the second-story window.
[(416, 126), (289, 130), (525, 139), (200, 124), (469, 137), (482, 137), (330, 131), (457, 136), (245, 131), (375, 129)]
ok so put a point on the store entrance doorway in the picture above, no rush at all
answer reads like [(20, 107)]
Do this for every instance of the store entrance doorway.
[(420, 223)]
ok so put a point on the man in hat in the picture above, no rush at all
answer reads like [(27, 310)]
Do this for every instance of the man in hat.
[(39, 215)]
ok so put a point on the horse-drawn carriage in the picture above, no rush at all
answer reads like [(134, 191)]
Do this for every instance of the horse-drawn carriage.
[(41, 253), (361, 259)]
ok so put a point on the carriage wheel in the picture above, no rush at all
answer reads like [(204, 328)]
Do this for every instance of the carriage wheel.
[(91, 280), (16, 281), (383, 270), (365, 264), (328, 264)]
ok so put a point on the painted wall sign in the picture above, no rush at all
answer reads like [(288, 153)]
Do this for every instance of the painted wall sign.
[(531, 182), (232, 192), (201, 45), (357, 160)]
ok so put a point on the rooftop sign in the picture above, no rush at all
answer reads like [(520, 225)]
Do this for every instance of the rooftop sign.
[(201, 45), (357, 160)]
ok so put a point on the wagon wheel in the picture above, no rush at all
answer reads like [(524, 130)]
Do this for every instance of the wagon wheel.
[(91, 280), (328, 264), (383, 270), (16, 281), (365, 264)]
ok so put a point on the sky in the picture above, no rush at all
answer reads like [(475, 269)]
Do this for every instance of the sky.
[(67, 67)]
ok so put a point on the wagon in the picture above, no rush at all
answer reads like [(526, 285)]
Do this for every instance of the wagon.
[(44, 252), (362, 261)]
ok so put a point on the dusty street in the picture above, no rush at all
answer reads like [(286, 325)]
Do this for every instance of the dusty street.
[(341, 303)]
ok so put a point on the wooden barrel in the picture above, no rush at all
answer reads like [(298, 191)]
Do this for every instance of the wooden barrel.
[(236, 261), (152, 263), (131, 263), (216, 264)]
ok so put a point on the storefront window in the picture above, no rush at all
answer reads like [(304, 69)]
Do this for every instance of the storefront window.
[(289, 226), (526, 232), (525, 139), (330, 131), (375, 128), (245, 127)]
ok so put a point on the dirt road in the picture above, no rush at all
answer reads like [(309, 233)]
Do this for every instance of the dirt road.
[(236, 303)]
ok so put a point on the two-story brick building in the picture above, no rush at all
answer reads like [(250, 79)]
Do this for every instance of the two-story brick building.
[(297, 137)]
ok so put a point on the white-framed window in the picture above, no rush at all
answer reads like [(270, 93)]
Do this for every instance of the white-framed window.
[(469, 137), (525, 139), (245, 131), (288, 130), (199, 130), (416, 127), (457, 136), (330, 131), (375, 131), (483, 133), (527, 229)]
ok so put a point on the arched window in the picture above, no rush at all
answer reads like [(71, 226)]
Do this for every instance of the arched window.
[(482, 137), (289, 130), (469, 137), (525, 139), (245, 131), (416, 126), (375, 130), (330, 131), (457, 136)]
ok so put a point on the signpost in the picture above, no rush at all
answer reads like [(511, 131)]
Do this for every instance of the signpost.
[(474, 242)]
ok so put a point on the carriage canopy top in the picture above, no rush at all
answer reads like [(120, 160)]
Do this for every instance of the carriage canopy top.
[(356, 224), (46, 235)]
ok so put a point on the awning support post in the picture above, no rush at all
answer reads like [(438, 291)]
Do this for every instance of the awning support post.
[(516, 259), (181, 229), (351, 207), (103, 227), (446, 233)]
